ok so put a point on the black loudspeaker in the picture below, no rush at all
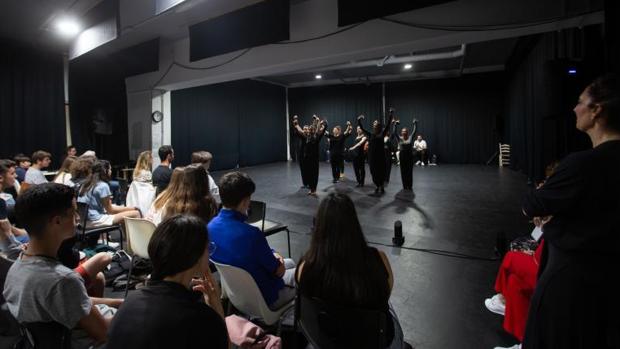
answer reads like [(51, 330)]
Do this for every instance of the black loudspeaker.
[(398, 238)]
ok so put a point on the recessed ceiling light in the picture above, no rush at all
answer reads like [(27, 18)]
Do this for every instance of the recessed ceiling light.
[(408, 66), (67, 27), (318, 76)]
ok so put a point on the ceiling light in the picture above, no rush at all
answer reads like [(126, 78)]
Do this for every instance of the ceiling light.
[(408, 66), (318, 76), (67, 27)]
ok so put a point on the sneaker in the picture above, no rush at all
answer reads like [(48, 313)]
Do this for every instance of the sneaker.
[(423, 164), (516, 346), (418, 163), (335, 181), (495, 305)]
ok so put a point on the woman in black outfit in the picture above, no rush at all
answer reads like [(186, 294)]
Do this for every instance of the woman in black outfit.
[(359, 157), (311, 154), (168, 310), (376, 153), (336, 150), (405, 149), (576, 303), (342, 270), (301, 150)]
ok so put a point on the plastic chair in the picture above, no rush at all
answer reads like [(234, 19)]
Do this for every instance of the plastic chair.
[(139, 233), (327, 326), (84, 232), (244, 294), (256, 218)]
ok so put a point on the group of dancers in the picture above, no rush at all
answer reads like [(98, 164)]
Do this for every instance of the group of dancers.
[(376, 145)]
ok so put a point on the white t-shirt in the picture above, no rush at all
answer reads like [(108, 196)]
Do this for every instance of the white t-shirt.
[(419, 145), (214, 189)]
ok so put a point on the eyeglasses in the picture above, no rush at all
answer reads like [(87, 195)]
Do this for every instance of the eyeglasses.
[(212, 247)]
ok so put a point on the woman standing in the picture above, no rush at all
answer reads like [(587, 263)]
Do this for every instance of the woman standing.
[(359, 157), (405, 151), (311, 153), (301, 150), (376, 152), (576, 303), (336, 150)]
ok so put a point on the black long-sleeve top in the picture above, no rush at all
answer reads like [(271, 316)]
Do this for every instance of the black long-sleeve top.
[(375, 141), (583, 196)]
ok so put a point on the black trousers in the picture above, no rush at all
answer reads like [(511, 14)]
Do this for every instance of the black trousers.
[(359, 166), (377, 169), (302, 169), (337, 162), (312, 172), (421, 156), (406, 169), (388, 165)]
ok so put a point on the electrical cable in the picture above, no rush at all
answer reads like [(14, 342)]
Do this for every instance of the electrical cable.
[(320, 36), (440, 252)]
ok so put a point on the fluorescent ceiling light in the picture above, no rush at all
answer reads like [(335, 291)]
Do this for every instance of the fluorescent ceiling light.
[(67, 27), (318, 76), (408, 66)]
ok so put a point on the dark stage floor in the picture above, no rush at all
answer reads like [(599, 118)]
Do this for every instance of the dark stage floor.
[(457, 208)]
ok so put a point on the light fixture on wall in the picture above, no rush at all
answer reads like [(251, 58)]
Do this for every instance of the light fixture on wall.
[(318, 76), (408, 66), (67, 27)]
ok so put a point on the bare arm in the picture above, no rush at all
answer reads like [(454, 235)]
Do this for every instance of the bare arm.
[(95, 325), (414, 129), (113, 209), (111, 302), (386, 128), (359, 144), (349, 129), (298, 130)]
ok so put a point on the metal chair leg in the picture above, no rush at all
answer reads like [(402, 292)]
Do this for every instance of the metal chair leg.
[(288, 240), (128, 278)]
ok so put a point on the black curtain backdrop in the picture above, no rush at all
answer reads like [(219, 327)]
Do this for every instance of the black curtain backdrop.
[(457, 117), (31, 102), (540, 123), (337, 104), (242, 123)]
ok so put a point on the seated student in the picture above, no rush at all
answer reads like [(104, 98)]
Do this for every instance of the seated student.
[(420, 148), (168, 310), (40, 160), (141, 192), (156, 211), (163, 172), (23, 164), (95, 192), (341, 269), (81, 168), (64, 173), (7, 181), (204, 158), (244, 246), (71, 150), (193, 196), (38, 287), (142, 171)]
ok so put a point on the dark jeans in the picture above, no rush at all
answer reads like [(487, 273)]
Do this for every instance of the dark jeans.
[(359, 166), (337, 162), (421, 156)]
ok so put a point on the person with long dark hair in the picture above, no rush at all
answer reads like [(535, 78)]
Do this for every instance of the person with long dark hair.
[(193, 195), (336, 149), (95, 192), (311, 151), (576, 303), (359, 157), (405, 151), (168, 308), (376, 151), (342, 270)]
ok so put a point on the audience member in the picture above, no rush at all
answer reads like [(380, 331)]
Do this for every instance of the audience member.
[(38, 287), (23, 164), (168, 308), (420, 147), (81, 168), (40, 160), (156, 210), (192, 196), (342, 270), (244, 246), (64, 173), (95, 192), (142, 171), (204, 158), (163, 172), (71, 151)]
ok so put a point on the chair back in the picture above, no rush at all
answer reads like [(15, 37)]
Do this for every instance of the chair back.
[(45, 335), (256, 213), (244, 294), (140, 195), (330, 327), (82, 208), (139, 233)]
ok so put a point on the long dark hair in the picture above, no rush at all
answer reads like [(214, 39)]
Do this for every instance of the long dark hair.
[(605, 91), (339, 267), (177, 245), (98, 174), (193, 195)]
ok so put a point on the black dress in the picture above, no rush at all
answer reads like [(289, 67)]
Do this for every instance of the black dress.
[(301, 150), (336, 154), (405, 148), (359, 161), (376, 155), (576, 303), (311, 159)]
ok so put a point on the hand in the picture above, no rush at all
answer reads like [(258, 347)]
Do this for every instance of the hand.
[(348, 123), (415, 121), (360, 117), (295, 117), (315, 117), (295, 122), (279, 257), (324, 122), (209, 288)]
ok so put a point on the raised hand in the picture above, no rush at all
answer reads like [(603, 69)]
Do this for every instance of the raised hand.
[(348, 123), (415, 121), (360, 117)]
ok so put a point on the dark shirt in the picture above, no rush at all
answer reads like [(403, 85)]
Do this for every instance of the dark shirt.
[(166, 315), (312, 146), (336, 143), (3, 211), (21, 174), (161, 177), (583, 196)]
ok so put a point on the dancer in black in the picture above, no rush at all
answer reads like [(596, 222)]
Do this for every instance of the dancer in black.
[(376, 153), (301, 150), (359, 157), (405, 149), (336, 149), (311, 153)]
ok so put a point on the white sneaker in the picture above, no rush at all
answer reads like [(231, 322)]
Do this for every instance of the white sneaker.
[(516, 346), (423, 164), (418, 163), (495, 305)]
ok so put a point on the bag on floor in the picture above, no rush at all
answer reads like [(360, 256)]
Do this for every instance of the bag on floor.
[(120, 265)]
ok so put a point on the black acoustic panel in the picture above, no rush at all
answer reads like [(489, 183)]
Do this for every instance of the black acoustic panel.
[(355, 11), (252, 26)]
